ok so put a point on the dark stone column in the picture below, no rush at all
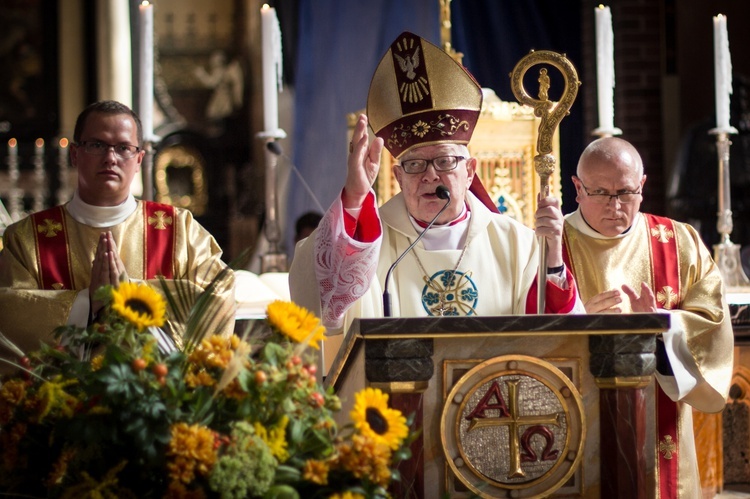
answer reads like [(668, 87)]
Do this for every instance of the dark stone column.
[(403, 368), (623, 366)]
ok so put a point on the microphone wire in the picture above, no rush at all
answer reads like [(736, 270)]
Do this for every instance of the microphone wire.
[(275, 148), (442, 192)]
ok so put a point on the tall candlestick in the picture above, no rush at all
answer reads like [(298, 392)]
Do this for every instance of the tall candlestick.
[(40, 191), (63, 173), (271, 48), (12, 151), (15, 195), (605, 70), (146, 74), (722, 72)]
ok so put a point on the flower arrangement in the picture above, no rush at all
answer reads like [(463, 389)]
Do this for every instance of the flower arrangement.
[(105, 413)]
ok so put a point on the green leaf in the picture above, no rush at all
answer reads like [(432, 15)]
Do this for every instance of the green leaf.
[(287, 474), (281, 492), (296, 432)]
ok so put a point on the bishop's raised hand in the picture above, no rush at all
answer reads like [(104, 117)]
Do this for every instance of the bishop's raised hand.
[(362, 166)]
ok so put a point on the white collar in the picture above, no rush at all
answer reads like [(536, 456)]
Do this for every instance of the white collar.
[(578, 222), (100, 216), (447, 236)]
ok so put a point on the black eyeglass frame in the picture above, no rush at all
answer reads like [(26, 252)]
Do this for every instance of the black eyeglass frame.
[(457, 159), (132, 150), (610, 196)]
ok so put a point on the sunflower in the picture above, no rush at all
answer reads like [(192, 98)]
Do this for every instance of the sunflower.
[(295, 322), (373, 418), (139, 304)]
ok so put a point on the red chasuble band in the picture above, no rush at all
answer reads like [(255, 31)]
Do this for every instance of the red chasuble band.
[(666, 285), (52, 249), (159, 235)]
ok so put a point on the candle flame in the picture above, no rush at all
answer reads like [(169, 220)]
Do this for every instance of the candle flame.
[(265, 7), (145, 3), (12, 143), (39, 142), (601, 6), (63, 142)]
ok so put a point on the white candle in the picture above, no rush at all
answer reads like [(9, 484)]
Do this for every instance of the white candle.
[(271, 48), (62, 170), (14, 193), (722, 72), (146, 76), (13, 150), (39, 176), (605, 67), (39, 148), (62, 153)]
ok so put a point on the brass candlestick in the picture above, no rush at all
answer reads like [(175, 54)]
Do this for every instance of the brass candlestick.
[(726, 253), (551, 114)]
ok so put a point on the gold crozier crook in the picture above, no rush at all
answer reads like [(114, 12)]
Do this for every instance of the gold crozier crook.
[(551, 114)]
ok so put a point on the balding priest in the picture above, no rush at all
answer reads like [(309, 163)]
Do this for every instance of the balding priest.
[(628, 261), (54, 260), (423, 106)]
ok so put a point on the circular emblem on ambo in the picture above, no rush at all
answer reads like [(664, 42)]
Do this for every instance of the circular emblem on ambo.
[(513, 426)]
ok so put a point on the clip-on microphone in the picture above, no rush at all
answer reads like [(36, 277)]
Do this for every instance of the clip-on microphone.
[(442, 192)]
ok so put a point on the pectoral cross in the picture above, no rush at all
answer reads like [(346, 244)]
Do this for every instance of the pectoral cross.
[(442, 309)]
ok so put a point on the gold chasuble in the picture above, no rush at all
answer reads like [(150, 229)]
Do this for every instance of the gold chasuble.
[(48, 257), (670, 257)]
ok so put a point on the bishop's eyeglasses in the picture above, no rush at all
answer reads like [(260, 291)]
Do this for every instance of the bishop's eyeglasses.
[(600, 197), (441, 164), (99, 148)]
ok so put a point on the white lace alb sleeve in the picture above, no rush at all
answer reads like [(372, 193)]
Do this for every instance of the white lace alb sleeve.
[(344, 267)]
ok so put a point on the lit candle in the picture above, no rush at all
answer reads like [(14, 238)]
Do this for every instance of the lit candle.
[(605, 68), (39, 149), (146, 77), (62, 153), (62, 170), (271, 49), (12, 150), (15, 194), (39, 176), (722, 72)]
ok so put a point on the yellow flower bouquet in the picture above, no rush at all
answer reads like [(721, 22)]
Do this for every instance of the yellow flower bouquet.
[(106, 413)]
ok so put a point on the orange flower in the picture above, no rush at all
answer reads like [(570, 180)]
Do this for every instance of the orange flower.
[(368, 458), (191, 450), (316, 471)]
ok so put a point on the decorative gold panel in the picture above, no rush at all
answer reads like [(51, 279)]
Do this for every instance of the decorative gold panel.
[(513, 426), (504, 143)]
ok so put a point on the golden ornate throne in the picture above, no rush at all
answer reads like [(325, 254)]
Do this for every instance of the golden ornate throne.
[(504, 143)]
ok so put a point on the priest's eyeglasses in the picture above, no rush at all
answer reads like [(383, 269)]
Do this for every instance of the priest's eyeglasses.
[(598, 197), (441, 164), (98, 148)]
